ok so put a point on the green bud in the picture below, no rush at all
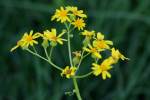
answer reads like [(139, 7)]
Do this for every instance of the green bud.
[(76, 60), (45, 44), (86, 41), (53, 44)]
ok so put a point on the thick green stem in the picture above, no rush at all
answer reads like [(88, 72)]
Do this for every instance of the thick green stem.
[(76, 88), (70, 58)]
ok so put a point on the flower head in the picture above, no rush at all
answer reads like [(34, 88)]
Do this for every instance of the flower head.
[(95, 53), (103, 68), (51, 36), (116, 55), (76, 12), (79, 23), (27, 40), (100, 43), (88, 34), (61, 15), (69, 72)]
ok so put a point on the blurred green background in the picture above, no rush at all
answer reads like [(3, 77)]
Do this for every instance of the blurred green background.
[(24, 77)]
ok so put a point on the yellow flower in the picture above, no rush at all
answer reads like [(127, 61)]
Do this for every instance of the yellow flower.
[(100, 43), (76, 12), (61, 15), (69, 72), (88, 34), (93, 51), (27, 40), (116, 55), (51, 36), (79, 23), (102, 68), (19, 44)]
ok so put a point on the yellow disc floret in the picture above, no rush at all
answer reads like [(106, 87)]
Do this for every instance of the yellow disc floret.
[(27, 40), (61, 15), (100, 43), (69, 71), (52, 36), (102, 68), (79, 23)]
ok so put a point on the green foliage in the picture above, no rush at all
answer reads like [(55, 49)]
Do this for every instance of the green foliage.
[(24, 77)]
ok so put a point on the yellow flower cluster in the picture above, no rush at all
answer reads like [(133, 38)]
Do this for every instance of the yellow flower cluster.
[(30, 39), (93, 43), (70, 15), (107, 64), (96, 43)]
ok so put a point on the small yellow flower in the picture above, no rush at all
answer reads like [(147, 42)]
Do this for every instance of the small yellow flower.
[(69, 72), (76, 12), (102, 68), (100, 43), (51, 36), (116, 55), (93, 51), (88, 34), (61, 15), (27, 40), (79, 23)]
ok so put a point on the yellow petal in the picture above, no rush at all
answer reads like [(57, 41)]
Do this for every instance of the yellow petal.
[(60, 41), (96, 54), (86, 49), (100, 36), (108, 74), (108, 42), (15, 47), (104, 75)]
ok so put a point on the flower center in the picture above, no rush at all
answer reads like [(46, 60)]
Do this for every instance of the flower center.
[(102, 44), (63, 13), (29, 38), (93, 50), (104, 68), (54, 38), (78, 23), (68, 71)]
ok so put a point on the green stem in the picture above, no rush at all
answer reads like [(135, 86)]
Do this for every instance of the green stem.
[(85, 55), (76, 89), (85, 75), (35, 54), (69, 47), (34, 49), (70, 58), (80, 60), (51, 50), (46, 54)]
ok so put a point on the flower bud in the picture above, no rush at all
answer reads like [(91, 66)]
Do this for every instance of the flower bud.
[(53, 44), (45, 44)]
